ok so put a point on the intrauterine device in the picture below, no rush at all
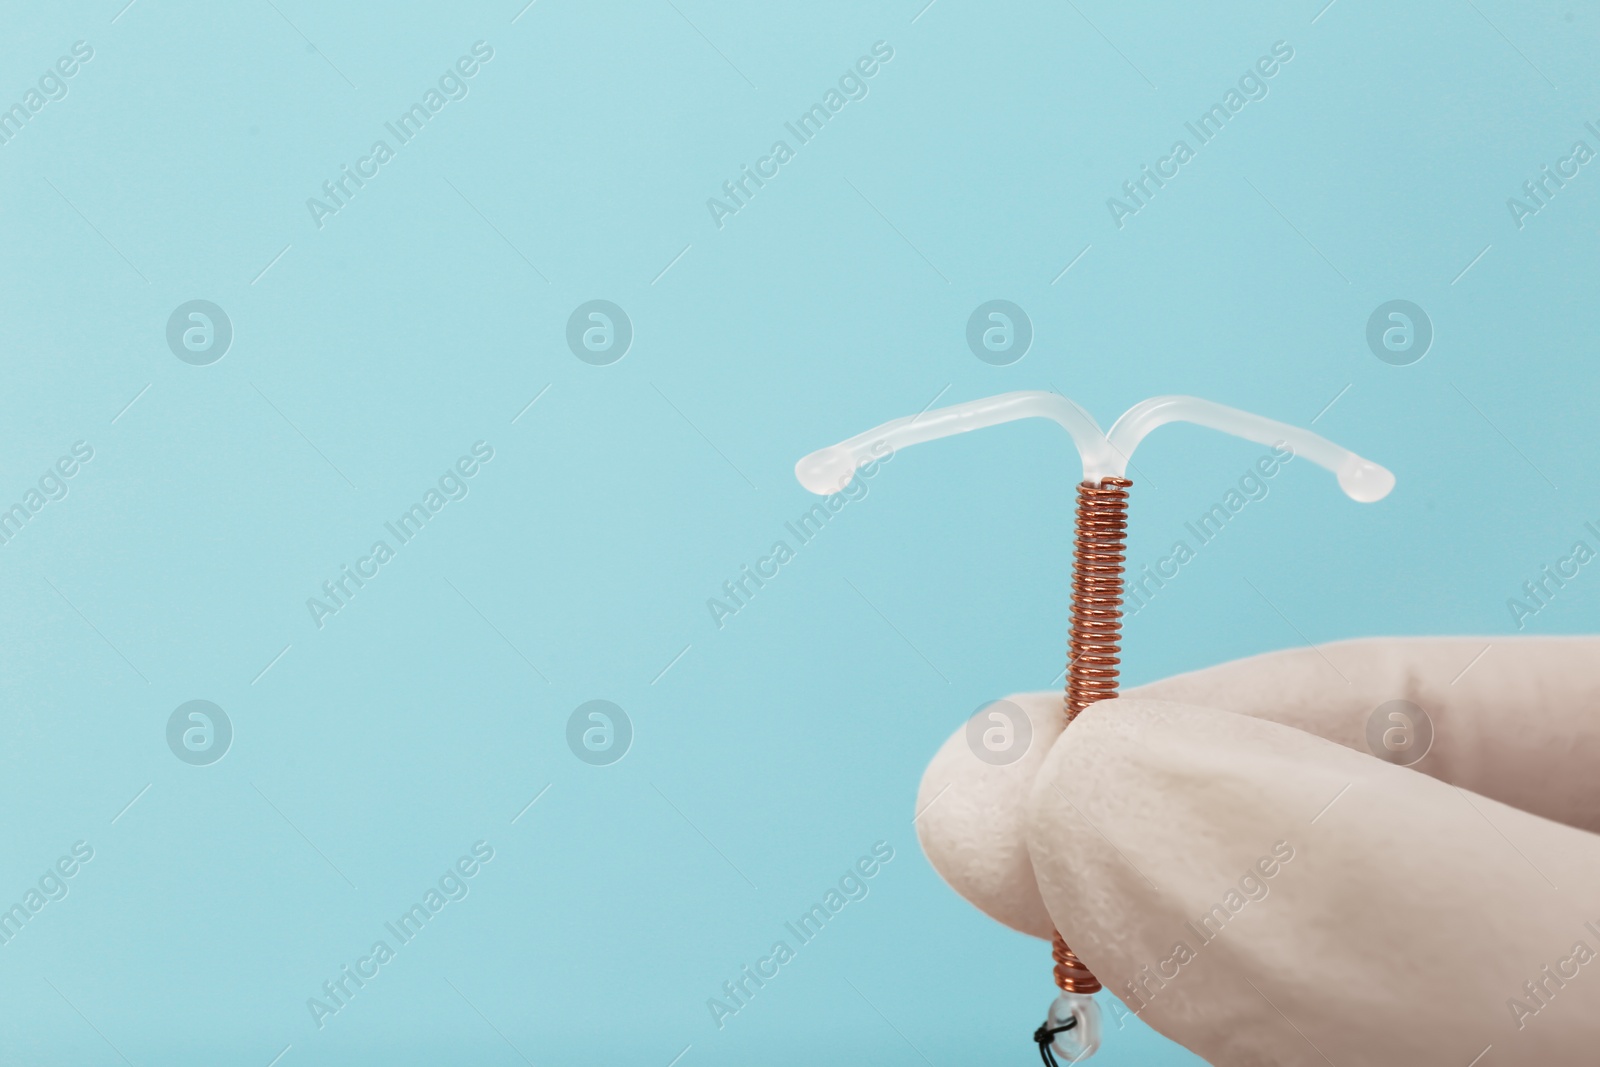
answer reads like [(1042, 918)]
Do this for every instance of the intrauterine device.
[(1072, 1027)]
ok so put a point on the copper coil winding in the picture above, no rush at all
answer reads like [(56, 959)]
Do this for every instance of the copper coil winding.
[(1098, 553), (1097, 556), (1071, 975)]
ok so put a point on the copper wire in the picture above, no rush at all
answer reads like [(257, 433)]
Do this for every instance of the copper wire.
[(1071, 975), (1098, 553)]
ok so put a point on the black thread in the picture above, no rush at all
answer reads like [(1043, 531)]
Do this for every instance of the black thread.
[(1046, 1035)]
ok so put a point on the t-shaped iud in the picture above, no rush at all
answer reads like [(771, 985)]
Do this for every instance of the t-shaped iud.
[(1072, 1027)]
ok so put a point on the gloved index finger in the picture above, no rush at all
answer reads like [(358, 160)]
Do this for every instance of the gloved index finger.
[(1513, 718)]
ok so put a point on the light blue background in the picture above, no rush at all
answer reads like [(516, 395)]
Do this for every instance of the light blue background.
[(771, 753)]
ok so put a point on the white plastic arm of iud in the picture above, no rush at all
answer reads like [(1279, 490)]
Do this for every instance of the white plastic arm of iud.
[(830, 469), (1361, 479)]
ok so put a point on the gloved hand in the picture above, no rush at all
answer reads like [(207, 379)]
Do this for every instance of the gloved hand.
[(1225, 852)]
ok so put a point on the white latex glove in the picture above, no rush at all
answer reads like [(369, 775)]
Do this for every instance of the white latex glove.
[(1407, 909)]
